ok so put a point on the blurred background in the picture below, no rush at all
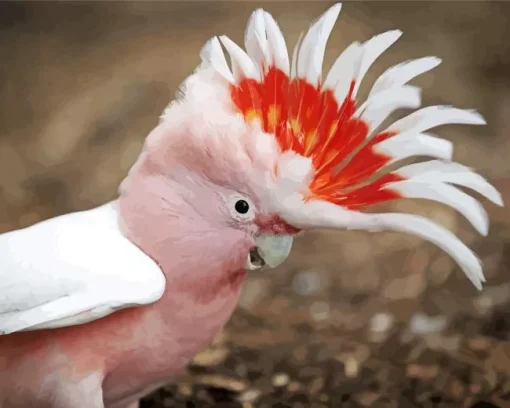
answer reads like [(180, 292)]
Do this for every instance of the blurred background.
[(352, 319)]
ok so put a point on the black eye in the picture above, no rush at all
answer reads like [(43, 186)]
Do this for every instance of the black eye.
[(242, 207)]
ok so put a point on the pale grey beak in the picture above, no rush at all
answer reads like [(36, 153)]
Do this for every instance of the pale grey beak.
[(271, 251)]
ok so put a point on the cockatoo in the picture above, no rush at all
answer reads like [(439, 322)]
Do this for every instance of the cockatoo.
[(100, 307)]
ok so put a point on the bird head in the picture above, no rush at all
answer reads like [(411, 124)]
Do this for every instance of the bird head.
[(267, 146)]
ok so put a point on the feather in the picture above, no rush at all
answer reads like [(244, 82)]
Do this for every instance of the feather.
[(295, 54), (319, 35), (305, 60), (296, 170), (242, 65), (401, 147), (323, 214), (432, 116), (402, 73), (277, 45), (343, 71), (355, 61), (255, 40), (377, 108), (372, 49), (436, 234), (212, 55), (453, 173), (80, 268), (445, 194)]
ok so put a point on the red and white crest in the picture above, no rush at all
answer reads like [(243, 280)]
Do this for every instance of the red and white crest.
[(321, 120)]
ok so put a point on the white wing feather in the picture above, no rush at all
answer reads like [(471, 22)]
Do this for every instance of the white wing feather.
[(71, 270)]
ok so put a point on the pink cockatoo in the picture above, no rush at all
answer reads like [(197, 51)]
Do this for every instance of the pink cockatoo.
[(100, 307)]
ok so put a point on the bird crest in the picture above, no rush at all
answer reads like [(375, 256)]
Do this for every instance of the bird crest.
[(323, 120)]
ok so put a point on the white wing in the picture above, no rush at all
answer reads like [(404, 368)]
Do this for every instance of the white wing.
[(71, 270)]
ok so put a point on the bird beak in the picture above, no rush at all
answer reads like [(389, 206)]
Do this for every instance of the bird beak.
[(271, 251)]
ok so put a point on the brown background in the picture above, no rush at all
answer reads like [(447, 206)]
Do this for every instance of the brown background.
[(339, 324)]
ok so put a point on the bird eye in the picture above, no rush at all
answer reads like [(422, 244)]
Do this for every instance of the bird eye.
[(242, 207)]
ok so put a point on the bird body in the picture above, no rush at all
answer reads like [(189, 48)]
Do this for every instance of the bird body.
[(125, 355), (99, 307)]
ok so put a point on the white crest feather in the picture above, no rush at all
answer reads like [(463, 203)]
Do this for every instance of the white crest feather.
[(402, 73), (242, 64), (377, 108), (306, 49), (453, 173), (323, 214), (343, 71), (445, 194), (433, 116), (311, 55), (277, 45), (401, 147), (295, 54), (372, 49), (212, 54), (437, 235), (255, 39)]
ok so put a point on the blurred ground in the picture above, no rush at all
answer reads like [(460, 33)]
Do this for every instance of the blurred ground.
[(351, 319)]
